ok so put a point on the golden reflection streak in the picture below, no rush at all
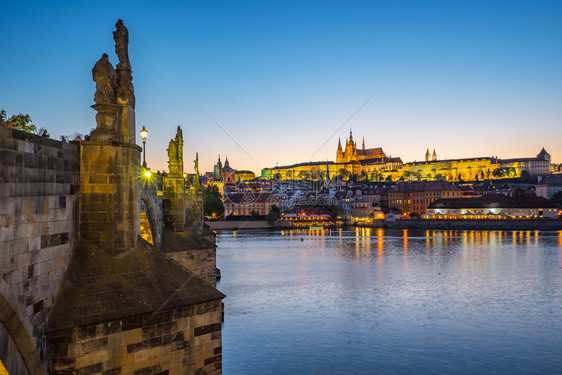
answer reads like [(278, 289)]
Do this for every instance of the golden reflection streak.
[(536, 237), (3, 370), (368, 242), (357, 244), (380, 243), (560, 240), (493, 239), (405, 234)]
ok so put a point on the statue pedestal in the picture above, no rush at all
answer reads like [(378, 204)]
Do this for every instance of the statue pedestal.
[(107, 120), (109, 184), (175, 169)]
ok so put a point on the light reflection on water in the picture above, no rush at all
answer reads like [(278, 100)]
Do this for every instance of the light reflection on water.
[(402, 301)]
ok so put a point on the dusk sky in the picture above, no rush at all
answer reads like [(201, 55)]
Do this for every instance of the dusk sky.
[(467, 78)]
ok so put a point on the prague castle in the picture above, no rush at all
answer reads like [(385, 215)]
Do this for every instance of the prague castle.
[(374, 165), (371, 163), (351, 152)]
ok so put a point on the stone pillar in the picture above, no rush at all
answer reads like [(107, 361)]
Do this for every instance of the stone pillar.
[(174, 203), (194, 210), (109, 178)]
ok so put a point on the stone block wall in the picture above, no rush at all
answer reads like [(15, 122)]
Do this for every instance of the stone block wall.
[(174, 216), (179, 341), (202, 262), (39, 187), (109, 179), (194, 211)]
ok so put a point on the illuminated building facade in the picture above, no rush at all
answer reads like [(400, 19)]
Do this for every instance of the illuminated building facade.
[(243, 204), (548, 186), (244, 176), (228, 176), (415, 197), (469, 169), (374, 165), (493, 206), (539, 165)]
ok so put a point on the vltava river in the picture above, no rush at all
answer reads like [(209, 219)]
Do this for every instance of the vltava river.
[(391, 302)]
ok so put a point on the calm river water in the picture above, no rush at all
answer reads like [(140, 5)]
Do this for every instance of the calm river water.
[(371, 301)]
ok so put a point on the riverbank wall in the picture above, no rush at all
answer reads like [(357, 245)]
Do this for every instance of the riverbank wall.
[(237, 225), (537, 224)]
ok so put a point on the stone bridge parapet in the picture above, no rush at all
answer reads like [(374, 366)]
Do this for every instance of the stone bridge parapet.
[(39, 184)]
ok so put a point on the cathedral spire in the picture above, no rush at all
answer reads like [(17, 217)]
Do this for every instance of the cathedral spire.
[(350, 136), (363, 143), (339, 153), (427, 155), (434, 157)]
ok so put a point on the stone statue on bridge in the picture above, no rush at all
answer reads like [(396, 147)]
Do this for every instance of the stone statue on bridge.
[(125, 89), (121, 37), (115, 97), (175, 154), (196, 180), (106, 81)]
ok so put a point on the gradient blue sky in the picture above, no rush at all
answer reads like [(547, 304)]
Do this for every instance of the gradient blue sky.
[(483, 78)]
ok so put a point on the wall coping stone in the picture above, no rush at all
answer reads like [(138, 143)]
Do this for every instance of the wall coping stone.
[(136, 282), (108, 143)]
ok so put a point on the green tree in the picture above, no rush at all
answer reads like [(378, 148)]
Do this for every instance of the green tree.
[(511, 172), (343, 174), (273, 215), (526, 177), (20, 122), (557, 197), (304, 175), (212, 202)]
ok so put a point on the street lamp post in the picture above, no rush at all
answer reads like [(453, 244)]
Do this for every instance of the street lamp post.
[(144, 135)]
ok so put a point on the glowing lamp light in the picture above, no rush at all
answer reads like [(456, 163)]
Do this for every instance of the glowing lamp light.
[(147, 173), (144, 133)]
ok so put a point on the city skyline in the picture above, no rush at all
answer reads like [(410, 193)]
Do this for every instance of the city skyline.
[(468, 80)]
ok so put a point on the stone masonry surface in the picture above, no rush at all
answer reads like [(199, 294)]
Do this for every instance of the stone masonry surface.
[(38, 207)]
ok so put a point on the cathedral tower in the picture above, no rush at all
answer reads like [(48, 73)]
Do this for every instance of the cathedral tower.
[(339, 155)]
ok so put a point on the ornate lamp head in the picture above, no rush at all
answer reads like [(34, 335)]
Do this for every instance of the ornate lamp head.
[(144, 133)]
